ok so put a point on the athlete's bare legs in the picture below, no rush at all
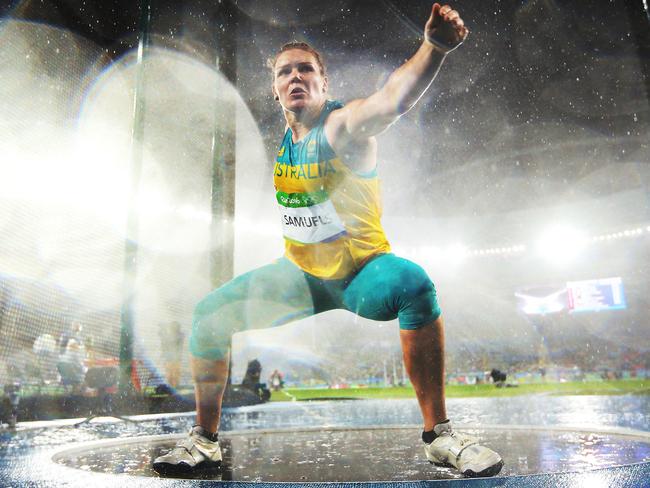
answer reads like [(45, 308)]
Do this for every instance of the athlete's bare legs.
[(210, 378), (424, 359)]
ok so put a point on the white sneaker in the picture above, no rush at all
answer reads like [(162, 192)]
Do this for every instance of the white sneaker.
[(192, 454), (462, 452)]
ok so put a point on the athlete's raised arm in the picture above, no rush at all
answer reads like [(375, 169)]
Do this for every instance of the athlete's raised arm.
[(444, 31)]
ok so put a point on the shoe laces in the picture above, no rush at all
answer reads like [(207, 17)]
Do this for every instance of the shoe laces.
[(461, 438), (186, 444)]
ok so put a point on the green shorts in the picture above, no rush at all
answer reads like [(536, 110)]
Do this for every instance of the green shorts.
[(387, 287)]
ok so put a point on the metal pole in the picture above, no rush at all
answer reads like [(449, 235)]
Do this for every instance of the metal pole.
[(224, 141), (394, 372), (638, 14), (131, 245)]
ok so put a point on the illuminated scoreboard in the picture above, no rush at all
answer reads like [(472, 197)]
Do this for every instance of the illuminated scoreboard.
[(595, 295), (576, 296)]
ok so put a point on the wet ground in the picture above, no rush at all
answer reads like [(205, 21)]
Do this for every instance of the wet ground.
[(545, 441), (367, 454)]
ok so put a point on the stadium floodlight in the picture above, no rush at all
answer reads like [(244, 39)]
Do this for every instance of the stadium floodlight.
[(561, 244), (455, 253)]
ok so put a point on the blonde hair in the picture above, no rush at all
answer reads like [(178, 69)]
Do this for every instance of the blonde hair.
[(303, 46)]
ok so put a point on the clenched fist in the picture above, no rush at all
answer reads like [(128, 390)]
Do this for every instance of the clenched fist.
[(445, 29)]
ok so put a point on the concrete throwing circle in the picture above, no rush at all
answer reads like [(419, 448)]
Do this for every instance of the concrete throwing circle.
[(386, 453)]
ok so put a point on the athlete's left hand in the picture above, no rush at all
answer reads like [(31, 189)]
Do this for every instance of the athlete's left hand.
[(445, 29)]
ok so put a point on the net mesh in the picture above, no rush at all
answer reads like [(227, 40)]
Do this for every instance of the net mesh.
[(63, 209)]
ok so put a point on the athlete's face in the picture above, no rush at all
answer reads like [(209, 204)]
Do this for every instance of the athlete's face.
[(297, 81)]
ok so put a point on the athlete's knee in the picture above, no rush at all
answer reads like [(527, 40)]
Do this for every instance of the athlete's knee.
[(210, 337), (416, 298), (204, 308)]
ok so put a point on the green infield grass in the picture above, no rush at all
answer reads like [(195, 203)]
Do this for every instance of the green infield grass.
[(613, 387)]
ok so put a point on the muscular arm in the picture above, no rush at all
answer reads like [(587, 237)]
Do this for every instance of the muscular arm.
[(363, 118), (370, 116)]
